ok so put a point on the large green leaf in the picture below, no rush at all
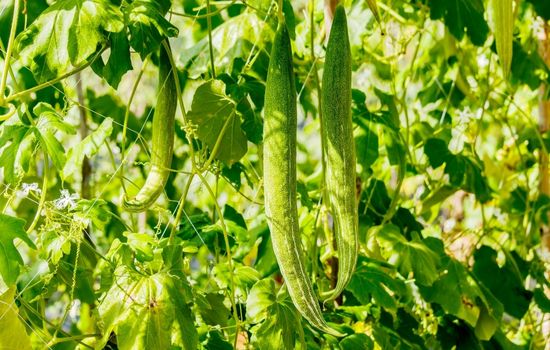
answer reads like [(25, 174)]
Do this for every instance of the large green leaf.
[(66, 34), (506, 282), (12, 330), (460, 294), (119, 61), (465, 172), (278, 321), (149, 311), (10, 259), (371, 282), (409, 256), (11, 138), (233, 39), (48, 123), (214, 114), (462, 16), (147, 25), (87, 148)]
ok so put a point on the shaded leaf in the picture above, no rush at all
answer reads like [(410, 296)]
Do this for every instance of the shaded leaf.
[(212, 309), (409, 256), (357, 342), (462, 16), (505, 282), (119, 61), (215, 115), (371, 282), (147, 25), (279, 322)]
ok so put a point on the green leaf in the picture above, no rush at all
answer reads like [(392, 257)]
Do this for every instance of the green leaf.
[(56, 245), (32, 10), (48, 123), (461, 295), (215, 341), (437, 152), (542, 7), (147, 25), (409, 256), (12, 330), (149, 311), (279, 322), (215, 116), (10, 259), (366, 145), (119, 61), (212, 309), (464, 172), (142, 244), (140, 310), (233, 174), (486, 325), (505, 283), (542, 300), (357, 342), (371, 282), (456, 292), (66, 35), (527, 66), (234, 38), (14, 135), (462, 16), (87, 148)]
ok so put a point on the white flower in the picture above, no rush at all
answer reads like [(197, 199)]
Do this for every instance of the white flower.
[(456, 144), (28, 188), (66, 200), (482, 61), (464, 116)]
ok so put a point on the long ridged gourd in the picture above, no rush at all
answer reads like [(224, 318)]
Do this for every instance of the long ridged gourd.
[(339, 149), (163, 138), (279, 161), (503, 29)]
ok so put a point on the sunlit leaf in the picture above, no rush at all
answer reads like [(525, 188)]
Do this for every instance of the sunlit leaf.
[(87, 148), (66, 35), (279, 323), (12, 329)]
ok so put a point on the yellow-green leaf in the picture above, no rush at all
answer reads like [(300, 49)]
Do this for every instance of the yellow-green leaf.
[(12, 330)]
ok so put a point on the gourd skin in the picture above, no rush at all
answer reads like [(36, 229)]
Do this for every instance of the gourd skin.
[(163, 138), (339, 149), (279, 162)]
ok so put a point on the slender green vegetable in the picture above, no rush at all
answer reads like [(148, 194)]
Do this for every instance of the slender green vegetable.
[(163, 138), (503, 28), (339, 149), (280, 123)]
